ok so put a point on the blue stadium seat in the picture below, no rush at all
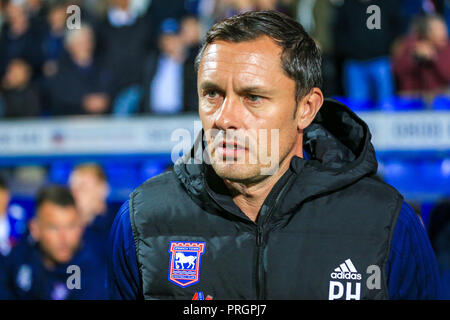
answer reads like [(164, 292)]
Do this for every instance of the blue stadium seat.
[(445, 174), (59, 172), (424, 177), (401, 175), (432, 177), (152, 168), (356, 105), (441, 102), (122, 175)]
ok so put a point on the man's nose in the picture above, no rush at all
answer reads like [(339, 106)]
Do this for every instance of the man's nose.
[(62, 236), (229, 114)]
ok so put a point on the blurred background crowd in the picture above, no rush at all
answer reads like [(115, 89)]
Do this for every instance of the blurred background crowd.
[(128, 53), (136, 58)]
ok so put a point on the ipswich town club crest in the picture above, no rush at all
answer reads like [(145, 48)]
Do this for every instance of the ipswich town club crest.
[(185, 259)]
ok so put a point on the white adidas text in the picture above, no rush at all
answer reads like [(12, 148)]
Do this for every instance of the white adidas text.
[(351, 289)]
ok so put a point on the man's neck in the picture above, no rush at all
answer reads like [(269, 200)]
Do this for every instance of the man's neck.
[(49, 264), (82, 62), (97, 210), (250, 197)]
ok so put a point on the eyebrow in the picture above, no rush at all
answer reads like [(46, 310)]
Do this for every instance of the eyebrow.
[(255, 90), (210, 85)]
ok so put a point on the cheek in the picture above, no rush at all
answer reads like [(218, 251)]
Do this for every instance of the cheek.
[(49, 239), (76, 234), (208, 107), (284, 137), (207, 123), (73, 238)]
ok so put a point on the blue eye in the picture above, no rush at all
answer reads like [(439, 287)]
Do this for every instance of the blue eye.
[(212, 94), (253, 98)]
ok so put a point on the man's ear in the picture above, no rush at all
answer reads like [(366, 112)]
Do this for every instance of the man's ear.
[(308, 107)]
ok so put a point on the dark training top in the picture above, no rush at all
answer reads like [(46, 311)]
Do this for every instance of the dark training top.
[(23, 275)]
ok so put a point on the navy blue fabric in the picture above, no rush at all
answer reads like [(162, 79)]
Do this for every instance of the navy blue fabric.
[(23, 275), (96, 234), (412, 270), (123, 273)]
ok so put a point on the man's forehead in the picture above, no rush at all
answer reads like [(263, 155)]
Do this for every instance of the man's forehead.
[(50, 211), (256, 62), (261, 53)]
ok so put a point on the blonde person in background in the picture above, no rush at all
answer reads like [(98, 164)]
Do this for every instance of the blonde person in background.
[(90, 190)]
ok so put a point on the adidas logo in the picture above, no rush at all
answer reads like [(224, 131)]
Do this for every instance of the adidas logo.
[(352, 289), (346, 270)]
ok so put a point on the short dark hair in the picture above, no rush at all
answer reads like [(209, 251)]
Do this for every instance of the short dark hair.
[(301, 58), (55, 194)]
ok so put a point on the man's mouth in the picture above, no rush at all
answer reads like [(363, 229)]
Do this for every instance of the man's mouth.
[(228, 149)]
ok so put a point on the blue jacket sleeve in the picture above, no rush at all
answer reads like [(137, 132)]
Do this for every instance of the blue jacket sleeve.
[(412, 269), (123, 274)]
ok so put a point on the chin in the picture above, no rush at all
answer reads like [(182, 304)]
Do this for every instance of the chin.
[(238, 172), (63, 258)]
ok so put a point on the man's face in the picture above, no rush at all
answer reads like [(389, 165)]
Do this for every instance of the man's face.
[(58, 230), (245, 98), (17, 74), (88, 190), (57, 18), (170, 44), (16, 14), (82, 46), (122, 4), (437, 33)]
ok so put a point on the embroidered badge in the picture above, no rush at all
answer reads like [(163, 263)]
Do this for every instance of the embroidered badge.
[(185, 259)]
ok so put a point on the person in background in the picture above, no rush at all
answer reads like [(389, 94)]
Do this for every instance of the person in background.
[(53, 44), (20, 38), (190, 33), (40, 266), (159, 11), (365, 49), (81, 85), (284, 6), (225, 9), (19, 97), (37, 11), (216, 10), (124, 40), (171, 70), (318, 19), (89, 186), (421, 61), (13, 219)]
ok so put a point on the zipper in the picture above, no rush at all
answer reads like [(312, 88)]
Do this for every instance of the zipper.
[(260, 274), (265, 214), (259, 236)]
